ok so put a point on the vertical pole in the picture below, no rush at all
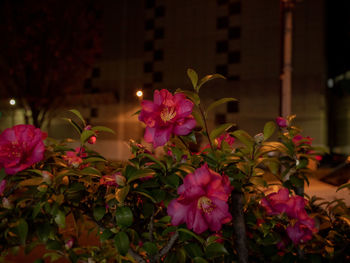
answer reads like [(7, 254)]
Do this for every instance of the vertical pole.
[(286, 87)]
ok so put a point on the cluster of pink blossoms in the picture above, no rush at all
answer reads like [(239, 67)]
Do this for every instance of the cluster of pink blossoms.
[(75, 158), (167, 114), (20, 147), (302, 226), (202, 202)]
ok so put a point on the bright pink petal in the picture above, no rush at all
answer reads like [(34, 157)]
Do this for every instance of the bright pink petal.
[(178, 212), (199, 224), (185, 127), (161, 136), (218, 216)]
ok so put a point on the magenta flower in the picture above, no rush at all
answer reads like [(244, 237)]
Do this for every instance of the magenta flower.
[(110, 180), (225, 137), (294, 207), (300, 233), (75, 158), (202, 203), (281, 122), (2, 186), (167, 114), (298, 140), (20, 147)]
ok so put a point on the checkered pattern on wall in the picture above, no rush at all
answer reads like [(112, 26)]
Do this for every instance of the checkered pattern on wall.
[(153, 45), (228, 42)]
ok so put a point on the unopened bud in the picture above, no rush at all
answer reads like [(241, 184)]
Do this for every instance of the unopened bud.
[(259, 138), (69, 244), (92, 140), (120, 179), (6, 203), (47, 177)]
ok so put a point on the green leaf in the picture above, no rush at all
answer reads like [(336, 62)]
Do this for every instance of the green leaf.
[(99, 212), (296, 181), (60, 219), (215, 250), (244, 137), (106, 235), (199, 260), (198, 117), (124, 216), (22, 230), (85, 135), (191, 95), (150, 248), (190, 138), (193, 77), (90, 171), (2, 174), (218, 103), (141, 174), (219, 130), (74, 124), (146, 195), (153, 159), (77, 113), (186, 231), (259, 181), (122, 242), (207, 78), (43, 232), (121, 193), (269, 129), (53, 245), (36, 210), (343, 186), (194, 250), (102, 128), (31, 182), (94, 159)]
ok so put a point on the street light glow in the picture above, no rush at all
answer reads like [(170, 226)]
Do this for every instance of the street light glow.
[(139, 93), (12, 102)]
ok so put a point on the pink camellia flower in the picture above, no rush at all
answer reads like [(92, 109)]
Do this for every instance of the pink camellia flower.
[(300, 233), (75, 158), (167, 114), (110, 180), (2, 186), (298, 140), (225, 137), (281, 122), (202, 203), (20, 147), (276, 203)]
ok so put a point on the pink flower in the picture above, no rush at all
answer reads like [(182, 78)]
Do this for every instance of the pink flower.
[(109, 180), (281, 122), (69, 243), (300, 233), (298, 140), (276, 203), (20, 147), (75, 158), (2, 186), (167, 114), (202, 203), (225, 137)]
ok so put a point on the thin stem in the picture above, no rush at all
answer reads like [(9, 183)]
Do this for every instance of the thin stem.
[(206, 126), (136, 256), (150, 227), (167, 247)]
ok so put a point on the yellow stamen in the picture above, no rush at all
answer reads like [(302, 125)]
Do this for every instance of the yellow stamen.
[(167, 114), (205, 204)]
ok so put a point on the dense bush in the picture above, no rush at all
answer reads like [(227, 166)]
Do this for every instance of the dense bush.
[(206, 205)]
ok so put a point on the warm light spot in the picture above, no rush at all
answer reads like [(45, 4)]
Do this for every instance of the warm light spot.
[(12, 102), (139, 93), (167, 114)]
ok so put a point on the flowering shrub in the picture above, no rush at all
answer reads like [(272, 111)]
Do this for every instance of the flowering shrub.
[(192, 204)]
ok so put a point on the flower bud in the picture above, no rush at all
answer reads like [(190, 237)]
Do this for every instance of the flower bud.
[(92, 139), (120, 179), (6, 203), (69, 243), (281, 122), (259, 138), (47, 177)]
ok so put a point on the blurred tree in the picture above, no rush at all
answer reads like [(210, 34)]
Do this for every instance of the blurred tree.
[(46, 50)]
